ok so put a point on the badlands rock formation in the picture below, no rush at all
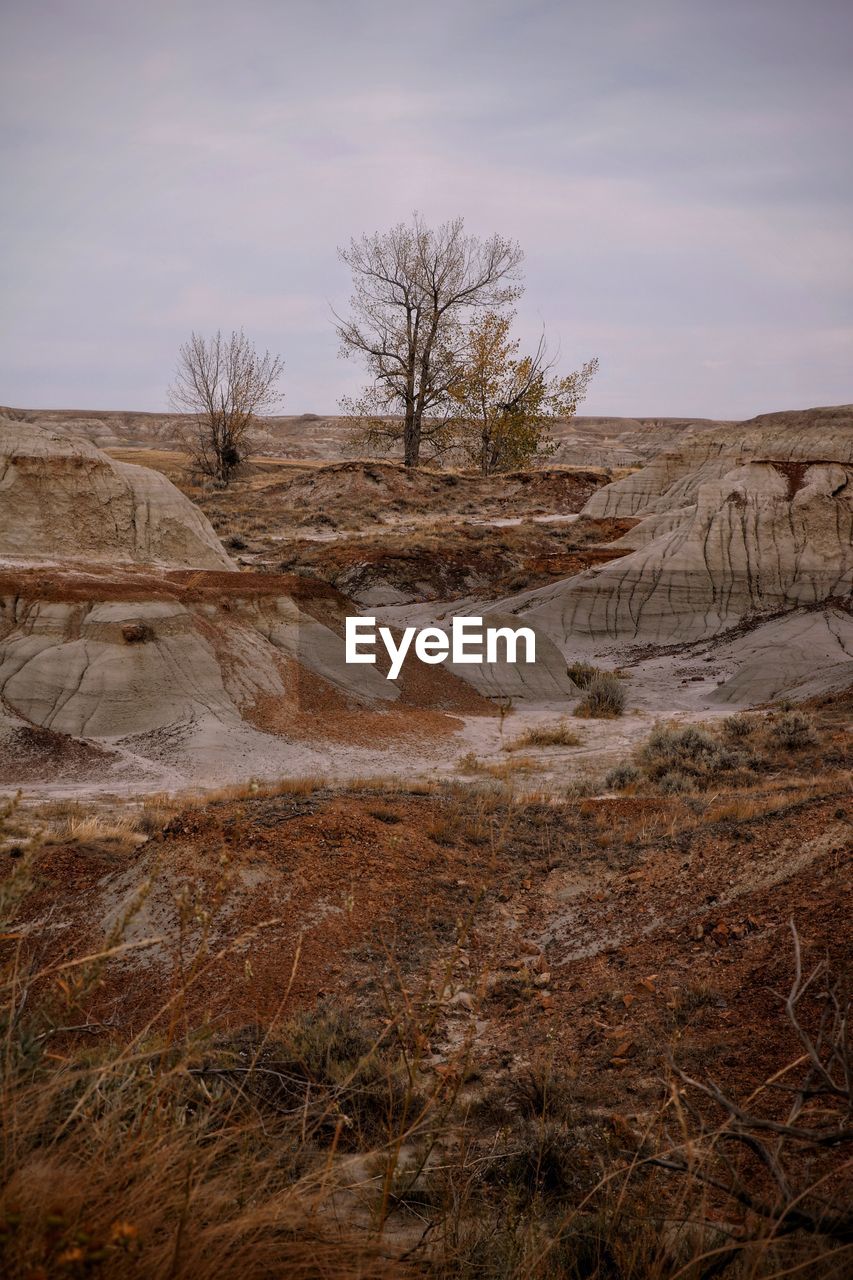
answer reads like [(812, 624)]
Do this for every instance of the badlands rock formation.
[(62, 498), (672, 479), (113, 659), (764, 537), (543, 680), (110, 667), (183, 675), (806, 653), (308, 435)]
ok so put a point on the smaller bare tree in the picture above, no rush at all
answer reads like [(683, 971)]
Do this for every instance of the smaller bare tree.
[(225, 384)]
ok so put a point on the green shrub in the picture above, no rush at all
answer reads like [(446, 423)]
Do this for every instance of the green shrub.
[(604, 698), (582, 785), (739, 726), (668, 749), (691, 750), (793, 730), (676, 782), (623, 776)]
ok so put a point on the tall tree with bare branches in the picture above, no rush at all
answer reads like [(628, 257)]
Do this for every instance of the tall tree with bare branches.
[(413, 288), (225, 384)]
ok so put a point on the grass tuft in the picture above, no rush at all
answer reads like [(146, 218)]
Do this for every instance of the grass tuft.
[(558, 735)]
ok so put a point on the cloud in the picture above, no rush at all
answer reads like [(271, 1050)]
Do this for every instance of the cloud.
[(677, 173)]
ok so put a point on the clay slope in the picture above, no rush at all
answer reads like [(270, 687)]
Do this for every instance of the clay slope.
[(805, 654), (673, 478), (202, 676), (767, 536), (61, 497)]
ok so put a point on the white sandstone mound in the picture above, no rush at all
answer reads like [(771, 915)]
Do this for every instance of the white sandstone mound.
[(62, 498), (673, 478), (206, 676), (114, 668), (767, 536)]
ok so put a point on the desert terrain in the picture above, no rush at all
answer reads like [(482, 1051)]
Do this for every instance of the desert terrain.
[(529, 969)]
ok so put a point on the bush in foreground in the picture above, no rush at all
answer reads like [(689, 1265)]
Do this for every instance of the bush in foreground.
[(689, 753), (557, 735), (622, 777), (794, 730), (582, 673)]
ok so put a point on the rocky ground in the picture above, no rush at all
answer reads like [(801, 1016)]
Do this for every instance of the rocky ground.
[(454, 963)]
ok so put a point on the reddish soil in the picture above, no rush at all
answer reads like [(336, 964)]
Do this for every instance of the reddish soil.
[(30, 755), (86, 582), (454, 560), (658, 927)]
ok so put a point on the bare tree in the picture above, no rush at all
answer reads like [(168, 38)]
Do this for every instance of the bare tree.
[(413, 287), (225, 384)]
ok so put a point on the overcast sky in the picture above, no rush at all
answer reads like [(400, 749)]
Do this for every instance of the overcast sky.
[(678, 173)]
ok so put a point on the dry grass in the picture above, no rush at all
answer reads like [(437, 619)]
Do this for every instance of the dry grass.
[(303, 785), (558, 735), (254, 789), (321, 1145), (761, 801), (383, 785), (119, 834), (502, 770)]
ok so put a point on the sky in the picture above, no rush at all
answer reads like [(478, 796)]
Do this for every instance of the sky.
[(678, 173)]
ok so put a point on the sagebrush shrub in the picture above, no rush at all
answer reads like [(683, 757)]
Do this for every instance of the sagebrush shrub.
[(623, 776), (738, 726), (689, 749), (793, 730), (604, 697), (675, 782), (583, 673)]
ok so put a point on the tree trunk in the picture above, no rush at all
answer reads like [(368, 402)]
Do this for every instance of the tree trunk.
[(411, 438), (485, 450)]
